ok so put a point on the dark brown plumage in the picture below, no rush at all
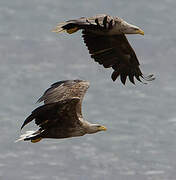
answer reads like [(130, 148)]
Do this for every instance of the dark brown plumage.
[(115, 52), (61, 116), (105, 39)]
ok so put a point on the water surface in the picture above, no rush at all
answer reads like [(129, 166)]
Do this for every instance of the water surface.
[(141, 120)]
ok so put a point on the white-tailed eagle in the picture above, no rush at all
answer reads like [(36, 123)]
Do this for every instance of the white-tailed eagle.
[(105, 39), (61, 115)]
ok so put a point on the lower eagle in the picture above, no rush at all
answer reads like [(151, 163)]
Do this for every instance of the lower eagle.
[(61, 115), (105, 39)]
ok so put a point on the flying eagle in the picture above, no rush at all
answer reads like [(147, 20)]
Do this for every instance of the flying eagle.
[(61, 115), (105, 38)]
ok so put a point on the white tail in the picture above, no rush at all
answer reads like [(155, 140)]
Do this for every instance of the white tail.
[(28, 134), (59, 28)]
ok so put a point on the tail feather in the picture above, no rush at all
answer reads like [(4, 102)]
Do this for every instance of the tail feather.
[(68, 26), (29, 135), (59, 28)]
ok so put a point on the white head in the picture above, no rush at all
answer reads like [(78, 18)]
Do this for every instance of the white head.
[(126, 28), (93, 128)]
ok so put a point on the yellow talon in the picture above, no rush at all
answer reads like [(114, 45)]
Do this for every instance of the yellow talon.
[(70, 31), (36, 140)]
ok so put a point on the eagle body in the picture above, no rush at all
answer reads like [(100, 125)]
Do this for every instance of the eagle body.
[(60, 133), (105, 39), (61, 115), (65, 132)]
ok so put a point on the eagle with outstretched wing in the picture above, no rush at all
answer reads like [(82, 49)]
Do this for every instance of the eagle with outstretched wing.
[(61, 115), (105, 39)]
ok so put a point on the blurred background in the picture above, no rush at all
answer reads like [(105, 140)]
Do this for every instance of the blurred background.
[(140, 143)]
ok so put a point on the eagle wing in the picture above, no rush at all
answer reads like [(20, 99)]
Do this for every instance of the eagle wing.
[(61, 114), (116, 52), (101, 22), (105, 48), (65, 90)]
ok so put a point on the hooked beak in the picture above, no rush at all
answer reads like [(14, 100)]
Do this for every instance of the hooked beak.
[(140, 31), (102, 128)]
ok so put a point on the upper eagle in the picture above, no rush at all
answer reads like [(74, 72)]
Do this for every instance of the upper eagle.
[(61, 115), (105, 38)]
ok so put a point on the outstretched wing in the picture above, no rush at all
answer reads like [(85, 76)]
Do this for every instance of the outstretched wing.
[(98, 22), (62, 114), (107, 47), (116, 52), (66, 89)]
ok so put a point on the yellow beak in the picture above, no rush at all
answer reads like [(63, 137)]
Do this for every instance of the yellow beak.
[(102, 128), (140, 31)]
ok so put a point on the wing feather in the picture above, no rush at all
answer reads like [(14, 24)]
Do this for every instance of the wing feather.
[(62, 113), (116, 52), (105, 47), (100, 22), (66, 89)]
